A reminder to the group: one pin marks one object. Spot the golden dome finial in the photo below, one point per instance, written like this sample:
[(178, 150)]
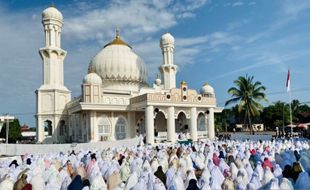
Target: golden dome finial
[(183, 82), (117, 40)]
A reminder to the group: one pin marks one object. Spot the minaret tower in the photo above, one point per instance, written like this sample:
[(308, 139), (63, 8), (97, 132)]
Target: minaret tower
[(168, 70), (52, 96)]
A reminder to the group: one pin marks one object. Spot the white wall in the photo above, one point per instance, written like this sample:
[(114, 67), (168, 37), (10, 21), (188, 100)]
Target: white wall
[(20, 149)]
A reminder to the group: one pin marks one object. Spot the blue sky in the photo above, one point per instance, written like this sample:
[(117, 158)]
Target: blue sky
[(216, 41)]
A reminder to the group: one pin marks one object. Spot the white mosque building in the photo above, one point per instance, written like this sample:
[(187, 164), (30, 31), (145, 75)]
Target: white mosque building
[(116, 102)]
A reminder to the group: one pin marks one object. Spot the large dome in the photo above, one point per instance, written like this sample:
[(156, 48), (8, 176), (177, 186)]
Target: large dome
[(119, 66)]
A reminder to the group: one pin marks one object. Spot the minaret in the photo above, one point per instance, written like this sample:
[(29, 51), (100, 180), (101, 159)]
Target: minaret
[(52, 96), (168, 69)]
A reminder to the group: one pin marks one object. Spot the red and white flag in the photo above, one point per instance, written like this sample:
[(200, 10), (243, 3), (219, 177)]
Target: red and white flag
[(288, 81)]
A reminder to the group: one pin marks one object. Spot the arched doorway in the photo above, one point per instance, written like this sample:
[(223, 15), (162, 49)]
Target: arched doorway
[(104, 128), (201, 126), (181, 124), (141, 127), (48, 127), (201, 122), (160, 122), (120, 128)]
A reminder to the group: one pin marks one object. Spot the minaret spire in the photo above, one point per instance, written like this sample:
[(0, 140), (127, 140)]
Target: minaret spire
[(117, 33)]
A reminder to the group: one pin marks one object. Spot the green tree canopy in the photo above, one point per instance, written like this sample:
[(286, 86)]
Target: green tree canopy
[(14, 131), (247, 94)]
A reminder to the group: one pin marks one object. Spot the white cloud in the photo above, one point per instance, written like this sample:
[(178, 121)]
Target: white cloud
[(135, 18), (294, 8), (237, 4)]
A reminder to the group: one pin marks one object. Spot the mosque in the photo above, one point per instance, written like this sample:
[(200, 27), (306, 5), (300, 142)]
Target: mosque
[(116, 102)]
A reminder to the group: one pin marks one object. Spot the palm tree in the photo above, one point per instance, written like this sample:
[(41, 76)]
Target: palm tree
[(248, 94)]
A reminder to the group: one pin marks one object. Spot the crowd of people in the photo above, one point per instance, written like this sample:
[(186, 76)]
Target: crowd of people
[(203, 165)]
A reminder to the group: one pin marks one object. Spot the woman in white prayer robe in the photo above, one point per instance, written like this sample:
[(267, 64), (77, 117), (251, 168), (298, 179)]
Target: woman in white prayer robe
[(204, 178), (53, 183), (132, 181), (223, 165), (125, 171), (277, 171), (98, 183), (268, 175), (259, 169), (249, 170), (255, 180), (214, 184), (37, 181), (154, 164), (302, 181), (7, 183), (178, 181), (273, 184), (141, 185), (233, 170), (286, 184), (228, 184), (170, 174), (217, 175)]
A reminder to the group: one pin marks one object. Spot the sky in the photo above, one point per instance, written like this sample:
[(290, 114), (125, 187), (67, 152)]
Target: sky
[(216, 41)]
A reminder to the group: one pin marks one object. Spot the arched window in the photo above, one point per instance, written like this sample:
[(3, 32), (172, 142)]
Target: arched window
[(104, 127), (120, 128), (48, 127), (201, 123), (62, 128)]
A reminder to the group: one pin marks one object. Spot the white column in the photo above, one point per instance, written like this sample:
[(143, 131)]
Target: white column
[(149, 118), (211, 123), (193, 124), (40, 130), (93, 126), (171, 125), (112, 127)]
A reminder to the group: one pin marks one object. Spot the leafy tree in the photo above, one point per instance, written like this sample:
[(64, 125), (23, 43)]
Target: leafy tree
[(275, 114), (248, 94), (304, 108), (14, 131)]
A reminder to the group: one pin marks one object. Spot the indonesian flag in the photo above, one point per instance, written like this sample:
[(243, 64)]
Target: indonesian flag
[(288, 81)]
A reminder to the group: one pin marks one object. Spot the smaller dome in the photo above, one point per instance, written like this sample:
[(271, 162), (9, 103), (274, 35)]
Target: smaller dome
[(207, 89), (167, 38), (158, 81), (52, 13), (92, 78)]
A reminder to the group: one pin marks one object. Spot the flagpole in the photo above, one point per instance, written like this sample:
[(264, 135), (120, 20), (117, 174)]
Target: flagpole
[(288, 88), (290, 102)]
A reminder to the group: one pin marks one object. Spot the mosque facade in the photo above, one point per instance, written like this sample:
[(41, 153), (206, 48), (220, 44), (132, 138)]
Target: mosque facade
[(116, 101)]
